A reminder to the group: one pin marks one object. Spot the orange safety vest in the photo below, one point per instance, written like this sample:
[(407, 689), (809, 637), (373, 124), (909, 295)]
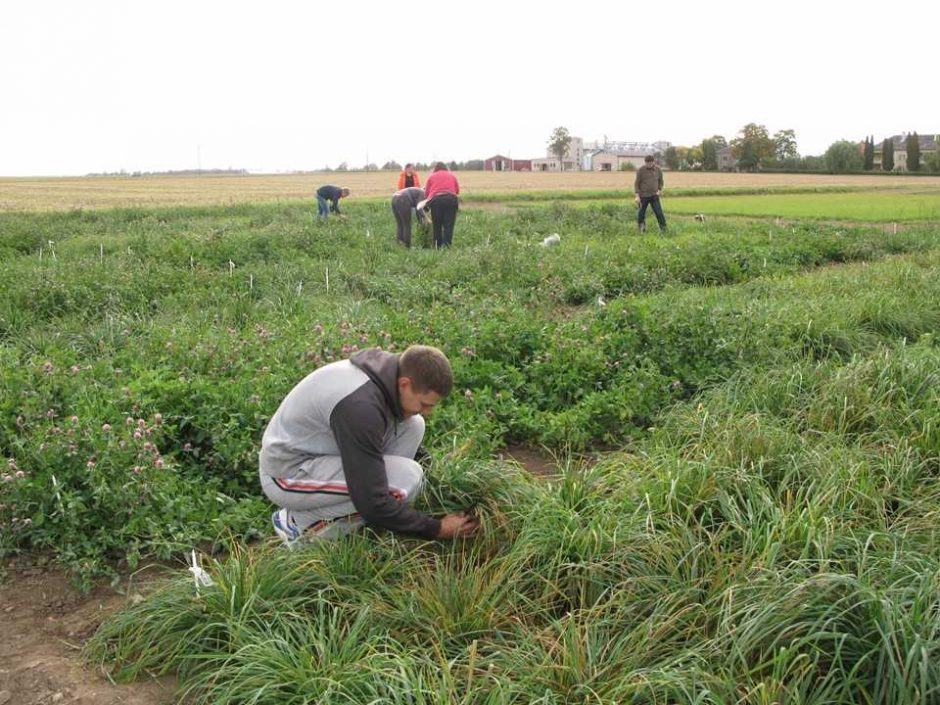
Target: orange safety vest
[(401, 179)]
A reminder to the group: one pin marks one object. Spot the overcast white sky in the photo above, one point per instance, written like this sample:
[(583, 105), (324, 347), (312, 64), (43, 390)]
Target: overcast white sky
[(102, 85)]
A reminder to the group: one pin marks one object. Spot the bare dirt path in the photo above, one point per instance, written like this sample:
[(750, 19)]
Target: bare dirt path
[(43, 623)]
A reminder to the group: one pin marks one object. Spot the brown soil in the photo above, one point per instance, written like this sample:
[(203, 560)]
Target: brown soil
[(537, 463), (43, 622), (543, 464)]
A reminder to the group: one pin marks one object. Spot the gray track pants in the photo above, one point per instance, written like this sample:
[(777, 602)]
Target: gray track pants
[(317, 490)]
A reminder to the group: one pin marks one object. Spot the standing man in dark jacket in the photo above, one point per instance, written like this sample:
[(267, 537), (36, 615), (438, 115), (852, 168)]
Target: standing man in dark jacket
[(331, 194), (340, 449), (403, 203), (648, 187)]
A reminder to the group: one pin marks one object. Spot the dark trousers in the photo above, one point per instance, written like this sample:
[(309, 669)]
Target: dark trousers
[(657, 209), (444, 216), (401, 207)]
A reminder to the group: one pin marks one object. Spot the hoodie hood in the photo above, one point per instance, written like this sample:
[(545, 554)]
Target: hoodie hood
[(382, 368)]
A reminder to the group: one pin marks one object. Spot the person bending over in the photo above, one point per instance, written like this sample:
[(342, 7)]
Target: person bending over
[(442, 190), (328, 200)]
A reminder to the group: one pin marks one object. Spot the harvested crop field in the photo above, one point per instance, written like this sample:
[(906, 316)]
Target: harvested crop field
[(19, 194)]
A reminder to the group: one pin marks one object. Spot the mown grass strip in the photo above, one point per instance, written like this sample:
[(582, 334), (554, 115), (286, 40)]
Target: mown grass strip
[(864, 207)]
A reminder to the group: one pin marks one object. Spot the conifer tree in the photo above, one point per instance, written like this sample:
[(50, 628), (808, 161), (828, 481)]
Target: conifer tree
[(887, 155), (869, 153), (913, 152)]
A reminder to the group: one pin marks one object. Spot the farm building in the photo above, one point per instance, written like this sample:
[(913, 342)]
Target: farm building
[(929, 144), (602, 160), (726, 160), (603, 155), (607, 160), (614, 156), (572, 161), (501, 163)]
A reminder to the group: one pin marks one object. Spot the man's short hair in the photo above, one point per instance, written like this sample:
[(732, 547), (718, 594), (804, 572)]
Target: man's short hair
[(649, 158), (344, 191), (427, 368)]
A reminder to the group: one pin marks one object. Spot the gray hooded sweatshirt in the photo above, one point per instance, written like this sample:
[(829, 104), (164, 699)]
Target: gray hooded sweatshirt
[(346, 408)]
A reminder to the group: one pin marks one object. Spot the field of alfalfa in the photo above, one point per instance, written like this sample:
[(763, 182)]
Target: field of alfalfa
[(743, 417)]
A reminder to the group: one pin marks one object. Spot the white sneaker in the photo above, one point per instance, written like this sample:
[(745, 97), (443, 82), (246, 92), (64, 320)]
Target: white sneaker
[(285, 527)]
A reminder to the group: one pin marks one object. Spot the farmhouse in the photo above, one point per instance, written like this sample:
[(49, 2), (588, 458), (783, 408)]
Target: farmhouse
[(500, 163), (726, 160), (929, 144)]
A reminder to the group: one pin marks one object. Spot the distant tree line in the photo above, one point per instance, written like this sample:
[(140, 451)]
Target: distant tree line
[(844, 156), (469, 165), (754, 149), (177, 172)]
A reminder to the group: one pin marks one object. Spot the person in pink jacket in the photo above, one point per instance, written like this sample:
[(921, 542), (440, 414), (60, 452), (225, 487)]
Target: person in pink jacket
[(442, 190)]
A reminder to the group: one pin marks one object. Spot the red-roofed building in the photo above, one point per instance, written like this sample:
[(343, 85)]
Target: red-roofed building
[(501, 163)]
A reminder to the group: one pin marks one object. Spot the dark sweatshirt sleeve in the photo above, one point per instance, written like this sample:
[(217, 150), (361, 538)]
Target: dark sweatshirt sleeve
[(331, 194), (359, 427)]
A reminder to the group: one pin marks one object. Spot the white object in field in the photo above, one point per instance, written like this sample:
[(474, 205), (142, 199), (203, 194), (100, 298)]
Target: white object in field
[(552, 239), (600, 301), (700, 217), (200, 576), (422, 205)]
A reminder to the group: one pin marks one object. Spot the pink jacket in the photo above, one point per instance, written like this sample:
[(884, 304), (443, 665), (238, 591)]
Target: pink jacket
[(441, 182)]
